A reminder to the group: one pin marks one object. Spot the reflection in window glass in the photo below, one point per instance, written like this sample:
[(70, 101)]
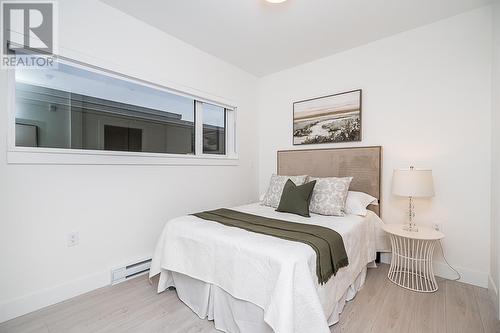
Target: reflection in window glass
[(214, 129), (73, 108)]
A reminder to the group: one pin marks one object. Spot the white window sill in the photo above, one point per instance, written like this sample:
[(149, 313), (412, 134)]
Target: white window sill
[(21, 155)]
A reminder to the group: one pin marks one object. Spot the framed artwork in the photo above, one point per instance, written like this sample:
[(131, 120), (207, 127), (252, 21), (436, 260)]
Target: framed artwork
[(328, 119)]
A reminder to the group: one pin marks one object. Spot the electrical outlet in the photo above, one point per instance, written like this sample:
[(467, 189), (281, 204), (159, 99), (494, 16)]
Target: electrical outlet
[(73, 239), (437, 226)]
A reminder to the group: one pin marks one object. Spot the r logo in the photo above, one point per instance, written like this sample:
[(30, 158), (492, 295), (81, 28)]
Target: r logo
[(27, 26)]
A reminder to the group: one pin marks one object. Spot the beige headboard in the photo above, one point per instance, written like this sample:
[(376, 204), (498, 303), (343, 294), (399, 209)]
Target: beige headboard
[(364, 164)]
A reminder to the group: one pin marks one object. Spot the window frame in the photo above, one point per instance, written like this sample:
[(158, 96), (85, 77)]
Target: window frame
[(38, 155)]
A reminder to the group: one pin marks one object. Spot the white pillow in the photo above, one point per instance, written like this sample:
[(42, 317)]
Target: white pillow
[(357, 202), (275, 189)]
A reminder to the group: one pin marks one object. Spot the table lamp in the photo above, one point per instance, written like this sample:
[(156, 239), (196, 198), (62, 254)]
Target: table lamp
[(412, 183)]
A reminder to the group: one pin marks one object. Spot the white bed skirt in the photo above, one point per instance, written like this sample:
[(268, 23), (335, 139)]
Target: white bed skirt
[(233, 315)]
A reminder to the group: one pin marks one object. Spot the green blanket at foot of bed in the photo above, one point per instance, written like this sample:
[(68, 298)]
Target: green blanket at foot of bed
[(327, 243)]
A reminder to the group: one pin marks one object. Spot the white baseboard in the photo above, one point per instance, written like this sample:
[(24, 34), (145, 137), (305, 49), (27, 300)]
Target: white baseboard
[(493, 292), (28, 303), (25, 304), (441, 269), (469, 276)]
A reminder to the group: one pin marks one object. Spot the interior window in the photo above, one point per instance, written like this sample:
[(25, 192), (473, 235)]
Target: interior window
[(73, 108)]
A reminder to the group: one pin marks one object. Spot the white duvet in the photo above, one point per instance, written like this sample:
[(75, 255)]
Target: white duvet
[(275, 274)]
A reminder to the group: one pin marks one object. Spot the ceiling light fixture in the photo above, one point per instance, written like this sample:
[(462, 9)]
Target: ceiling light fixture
[(275, 1)]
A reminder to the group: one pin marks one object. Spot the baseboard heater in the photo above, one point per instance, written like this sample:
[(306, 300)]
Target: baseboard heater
[(130, 271)]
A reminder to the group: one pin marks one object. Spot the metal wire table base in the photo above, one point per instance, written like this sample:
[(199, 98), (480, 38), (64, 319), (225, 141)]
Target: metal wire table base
[(411, 264)]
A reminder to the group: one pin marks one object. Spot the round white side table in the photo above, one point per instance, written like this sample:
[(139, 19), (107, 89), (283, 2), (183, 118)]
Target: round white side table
[(411, 263)]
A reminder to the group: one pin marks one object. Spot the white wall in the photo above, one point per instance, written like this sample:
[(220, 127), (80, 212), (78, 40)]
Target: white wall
[(427, 101), (495, 165), (118, 210)]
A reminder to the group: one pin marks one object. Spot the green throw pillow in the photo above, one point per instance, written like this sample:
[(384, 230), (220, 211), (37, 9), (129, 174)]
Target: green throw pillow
[(295, 199)]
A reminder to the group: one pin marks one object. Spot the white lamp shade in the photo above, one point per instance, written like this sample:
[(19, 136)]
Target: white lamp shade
[(413, 183)]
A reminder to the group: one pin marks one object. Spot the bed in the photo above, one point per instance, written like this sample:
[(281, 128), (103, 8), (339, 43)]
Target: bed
[(250, 282)]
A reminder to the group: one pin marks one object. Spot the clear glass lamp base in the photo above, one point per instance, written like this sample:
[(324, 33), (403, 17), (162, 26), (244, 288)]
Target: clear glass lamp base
[(410, 227)]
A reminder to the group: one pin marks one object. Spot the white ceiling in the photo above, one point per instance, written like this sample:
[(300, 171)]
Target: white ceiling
[(264, 38)]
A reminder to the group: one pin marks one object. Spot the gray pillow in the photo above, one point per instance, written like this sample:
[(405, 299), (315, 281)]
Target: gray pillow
[(275, 189), (329, 195), (295, 199)]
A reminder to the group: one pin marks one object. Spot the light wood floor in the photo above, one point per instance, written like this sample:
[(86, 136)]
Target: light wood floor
[(380, 306)]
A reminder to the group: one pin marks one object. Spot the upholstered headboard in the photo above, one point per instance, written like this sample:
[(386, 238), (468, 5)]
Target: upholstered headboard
[(364, 164)]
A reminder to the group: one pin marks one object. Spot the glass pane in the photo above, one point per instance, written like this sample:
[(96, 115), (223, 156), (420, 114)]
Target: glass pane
[(70, 107), (214, 129)]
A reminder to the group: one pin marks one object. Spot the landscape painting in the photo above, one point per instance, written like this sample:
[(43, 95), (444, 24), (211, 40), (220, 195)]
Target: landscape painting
[(329, 119)]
